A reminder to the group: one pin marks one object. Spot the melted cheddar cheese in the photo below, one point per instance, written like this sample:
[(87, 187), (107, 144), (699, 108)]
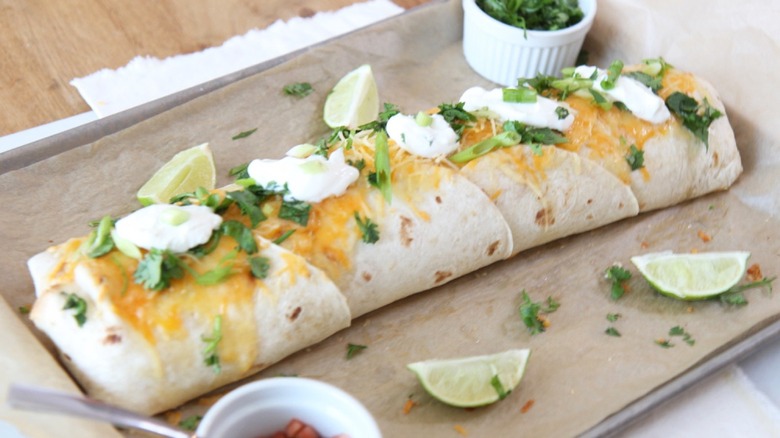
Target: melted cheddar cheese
[(171, 313)]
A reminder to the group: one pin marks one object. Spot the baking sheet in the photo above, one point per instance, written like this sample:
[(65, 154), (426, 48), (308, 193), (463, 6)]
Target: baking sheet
[(577, 376)]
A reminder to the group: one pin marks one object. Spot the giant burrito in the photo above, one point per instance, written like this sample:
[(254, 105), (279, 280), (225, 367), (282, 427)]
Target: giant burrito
[(175, 299)]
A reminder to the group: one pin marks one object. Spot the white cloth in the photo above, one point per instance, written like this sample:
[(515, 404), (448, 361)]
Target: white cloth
[(146, 78)]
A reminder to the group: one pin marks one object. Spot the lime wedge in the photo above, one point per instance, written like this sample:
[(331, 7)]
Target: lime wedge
[(185, 172), (472, 381), (692, 276), (354, 100)]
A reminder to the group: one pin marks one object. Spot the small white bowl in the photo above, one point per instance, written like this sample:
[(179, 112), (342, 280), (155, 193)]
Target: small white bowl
[(260, 408), (501, 53)]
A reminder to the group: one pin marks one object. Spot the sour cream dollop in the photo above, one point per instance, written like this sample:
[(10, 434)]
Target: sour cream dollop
[(169, 227), (436, 139), (636, 96), (309, 179), (541, 114)]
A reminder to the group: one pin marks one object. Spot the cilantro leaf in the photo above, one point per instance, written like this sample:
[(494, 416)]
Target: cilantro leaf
[(296, 211), (379, 124), (158, 267), (612, 331), (79, 305), (612, 317), (354, 349), (259, 266), (241, 234), (635, 157), (368, 229), (618, 276), (534, 15), (240, 171), (191, 422), (457, 117), (652, 82), (530, 312), (248, 203), (298, 89), (243, 134), (697, 117)]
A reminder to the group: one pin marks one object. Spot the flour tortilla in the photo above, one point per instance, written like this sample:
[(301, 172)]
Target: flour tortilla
[(115, 363), (464, 231), (681, 167), (567, 196)]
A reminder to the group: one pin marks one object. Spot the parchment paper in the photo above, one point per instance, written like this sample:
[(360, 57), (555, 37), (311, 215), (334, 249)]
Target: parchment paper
[(577, 375)]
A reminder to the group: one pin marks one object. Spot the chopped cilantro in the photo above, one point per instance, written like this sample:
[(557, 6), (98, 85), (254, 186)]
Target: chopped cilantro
[(665, 343), (379, 124), (259, 266), (367, 228), (243, 134), (612, 317), (240, 171), (534, 15), (354, 349), (156, 270), (78, 305), (695, 116), (561, 112), (652, 82), (298, 89), (530, 312), (612, 331), (191, 422), (457, 117), (679, 331), (248, 203), (296, 211), (241, 234), (635, 157), (618, 276)]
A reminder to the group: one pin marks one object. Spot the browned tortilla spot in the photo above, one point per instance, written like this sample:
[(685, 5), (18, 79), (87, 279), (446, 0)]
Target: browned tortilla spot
[(620, 205), (589, 217), (438, 199), (294, 315), (590, 201), (493, 247), (367, 276), (544, 218), (406, 231), (715, 159), (112, 338), (442, 275)]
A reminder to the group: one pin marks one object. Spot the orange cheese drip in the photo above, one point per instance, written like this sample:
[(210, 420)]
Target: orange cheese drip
[(165, 314)]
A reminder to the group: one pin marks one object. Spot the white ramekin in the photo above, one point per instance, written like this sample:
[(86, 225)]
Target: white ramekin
[(265, 406), (501, 53)]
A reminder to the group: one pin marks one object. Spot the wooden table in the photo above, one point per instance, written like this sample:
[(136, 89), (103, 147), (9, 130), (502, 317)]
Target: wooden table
[(45, 44)]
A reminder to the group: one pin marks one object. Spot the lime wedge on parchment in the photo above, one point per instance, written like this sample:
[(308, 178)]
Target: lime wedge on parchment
[(692, 276), (185, 172), (472, 381), (354, 101)]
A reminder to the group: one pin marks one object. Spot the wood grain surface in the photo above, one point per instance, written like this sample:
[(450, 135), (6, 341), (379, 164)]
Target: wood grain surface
[(44, 44)]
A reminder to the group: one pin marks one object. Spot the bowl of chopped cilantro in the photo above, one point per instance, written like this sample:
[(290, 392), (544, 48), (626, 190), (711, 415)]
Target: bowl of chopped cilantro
[(504, 40)]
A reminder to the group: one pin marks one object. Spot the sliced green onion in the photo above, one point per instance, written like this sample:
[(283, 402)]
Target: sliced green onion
[(246, 182), (100, 242), (382, 166), (174, 216), (313, 167), (613, 73), (423, 119), (505, 139), (125, 246), (519, 95), (302, 150), (600, 99)]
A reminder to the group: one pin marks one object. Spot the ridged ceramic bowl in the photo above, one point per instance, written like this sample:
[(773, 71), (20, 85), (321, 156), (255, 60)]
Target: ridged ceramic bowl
[(260, 408), (502, 53)]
